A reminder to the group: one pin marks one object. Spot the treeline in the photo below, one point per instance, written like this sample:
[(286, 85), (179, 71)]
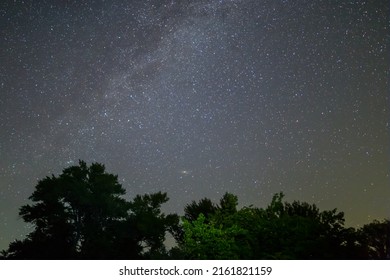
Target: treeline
[(81, 214)]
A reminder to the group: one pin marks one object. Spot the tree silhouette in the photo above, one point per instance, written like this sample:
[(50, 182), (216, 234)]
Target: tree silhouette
[(205, 206), (228, 204), (300, 231), (375, 239), (73, 215), (82, 214), (150, 224)]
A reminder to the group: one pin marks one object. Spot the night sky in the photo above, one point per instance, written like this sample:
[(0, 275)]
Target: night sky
[(196, 98)]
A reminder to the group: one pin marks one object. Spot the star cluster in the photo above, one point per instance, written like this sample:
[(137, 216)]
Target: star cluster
[(196, 98)]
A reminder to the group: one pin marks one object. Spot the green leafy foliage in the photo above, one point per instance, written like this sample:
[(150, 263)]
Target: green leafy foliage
[(208, 241), (282, 230)]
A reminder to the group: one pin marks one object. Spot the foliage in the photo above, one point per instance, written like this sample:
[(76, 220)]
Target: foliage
[(194, 209), (280, 231), (82, 214), (374, 239), (151, 224), (72, 214), (208, 241)]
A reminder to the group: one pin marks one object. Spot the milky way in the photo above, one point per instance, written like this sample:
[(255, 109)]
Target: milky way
[(196, 98)]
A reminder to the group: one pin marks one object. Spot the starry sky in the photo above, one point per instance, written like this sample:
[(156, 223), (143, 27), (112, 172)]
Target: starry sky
[(199, 97)]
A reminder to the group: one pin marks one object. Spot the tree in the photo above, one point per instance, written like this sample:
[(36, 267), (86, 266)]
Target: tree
[(280, 231), (150, 224), (215, 236), (228, 204), (81, 214), (299, 230), (209, 241), (205, 206), (73, 215), (375, 239)]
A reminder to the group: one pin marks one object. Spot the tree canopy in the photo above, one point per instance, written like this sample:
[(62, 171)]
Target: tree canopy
[(83, 214)]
